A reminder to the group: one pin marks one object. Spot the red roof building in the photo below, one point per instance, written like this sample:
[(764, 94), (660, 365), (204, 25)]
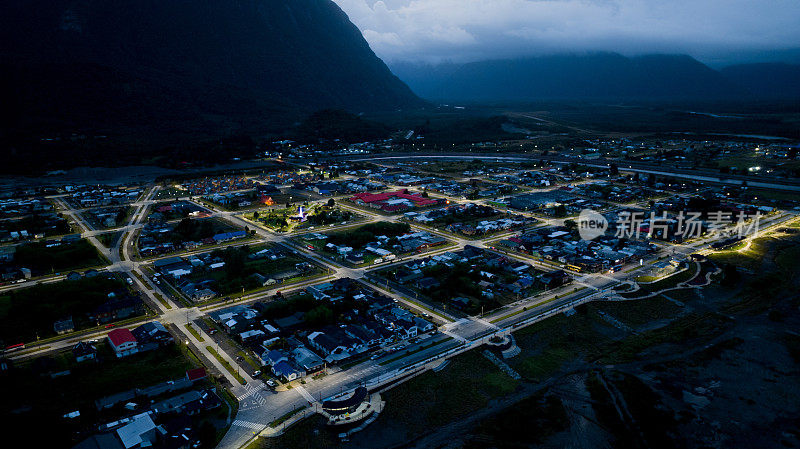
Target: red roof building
[(122, 342), (388, 200), (196, 374)]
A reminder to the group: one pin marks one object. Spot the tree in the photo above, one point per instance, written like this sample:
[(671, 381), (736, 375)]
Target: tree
[(331, 202), (207, 435), (256, 215), (730, 275), (319, 316)]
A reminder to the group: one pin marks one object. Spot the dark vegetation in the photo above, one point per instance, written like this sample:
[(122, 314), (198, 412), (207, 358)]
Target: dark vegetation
[(329, 215), (66, 256), (464, 130), (31, 397), (459, 280), (316, 315), (173, 78), (365, 234), (36, 223), (459, 215), (467, 384), (28, 313), (237, 274), (642, 421), (193, 230), (529, 422), (332, 124)]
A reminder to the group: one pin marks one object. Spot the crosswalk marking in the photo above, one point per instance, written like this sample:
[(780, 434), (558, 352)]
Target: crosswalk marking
[(244, 396), (248, 425), (254, 392), (303, 392)]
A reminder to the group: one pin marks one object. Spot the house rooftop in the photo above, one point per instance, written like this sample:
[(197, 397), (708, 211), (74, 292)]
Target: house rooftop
[(132, 433), (120, 336)]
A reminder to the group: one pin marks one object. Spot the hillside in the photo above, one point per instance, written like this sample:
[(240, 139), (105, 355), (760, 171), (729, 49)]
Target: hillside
[(596, 76), (766, 80), (180, 66)]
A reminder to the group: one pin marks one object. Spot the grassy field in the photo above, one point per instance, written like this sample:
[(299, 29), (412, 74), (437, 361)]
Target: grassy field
[(750, 259), (655, 426), (170, 193), (237, 276), (549, 344), (764, 253), (110, 238), (43, 260), (668, 282), (638, 312), (432, 399), (525, 424), (29, 313), (699, 327)]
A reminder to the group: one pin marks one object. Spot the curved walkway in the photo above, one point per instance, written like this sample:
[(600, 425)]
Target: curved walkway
[(679, 286)]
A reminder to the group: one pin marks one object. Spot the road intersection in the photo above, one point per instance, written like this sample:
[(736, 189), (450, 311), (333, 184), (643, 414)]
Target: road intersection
[(259, 406)]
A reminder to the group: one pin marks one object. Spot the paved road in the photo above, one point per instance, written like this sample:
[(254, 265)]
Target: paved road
[(704, 175), (258, 406)]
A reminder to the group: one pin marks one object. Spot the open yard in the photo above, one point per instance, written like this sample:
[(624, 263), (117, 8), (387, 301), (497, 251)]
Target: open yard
[(29, 313), (287, 219), (243, 270), (41, 259)]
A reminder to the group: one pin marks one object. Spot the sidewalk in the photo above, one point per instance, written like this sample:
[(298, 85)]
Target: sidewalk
[(200, 347)]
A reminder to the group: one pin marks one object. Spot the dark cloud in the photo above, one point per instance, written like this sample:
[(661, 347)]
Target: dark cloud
[(459, 30)]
